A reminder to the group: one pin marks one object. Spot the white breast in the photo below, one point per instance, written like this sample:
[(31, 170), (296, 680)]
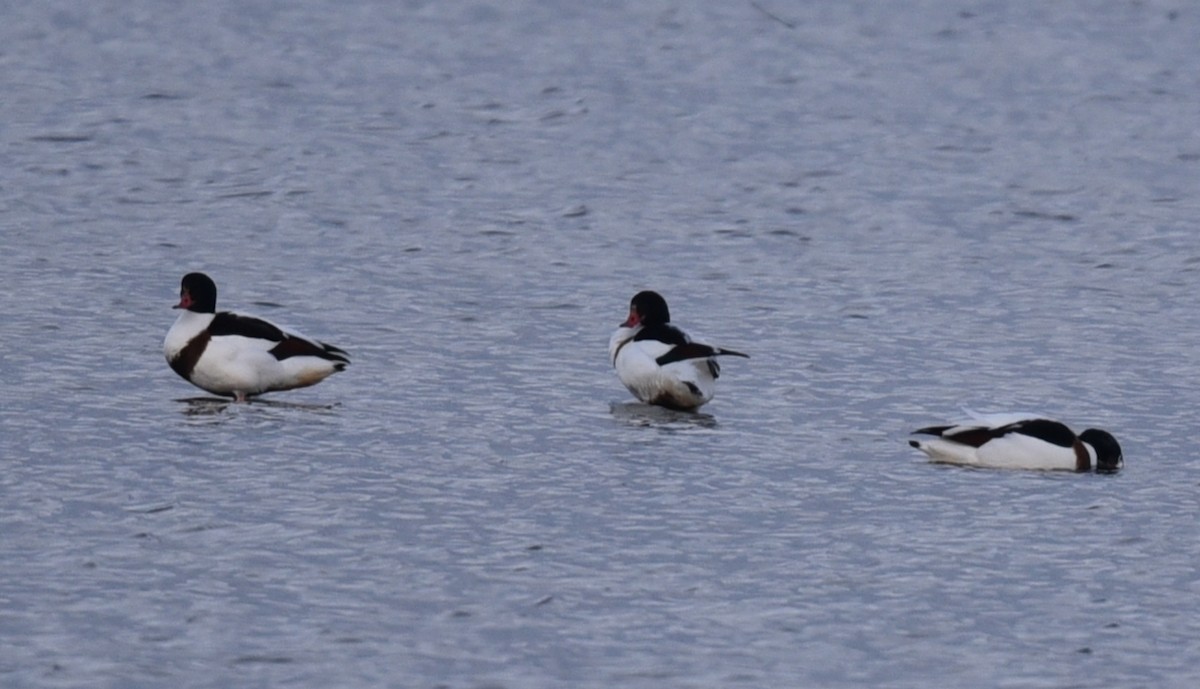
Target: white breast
[(186, 327)]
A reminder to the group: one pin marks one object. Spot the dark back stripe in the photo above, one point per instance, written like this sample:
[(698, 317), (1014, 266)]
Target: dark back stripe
[(295, 346), (228, 323), (687, 350), (1044, 429), (975, 437), (662, 332)]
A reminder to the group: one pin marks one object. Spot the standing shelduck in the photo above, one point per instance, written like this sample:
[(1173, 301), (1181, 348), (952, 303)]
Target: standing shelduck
[(240, 356), (658, 362), (1020, 441)]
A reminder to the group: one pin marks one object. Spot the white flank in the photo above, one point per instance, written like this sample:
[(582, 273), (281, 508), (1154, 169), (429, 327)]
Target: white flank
[(1010, 451), (238, 365), (637, 367)]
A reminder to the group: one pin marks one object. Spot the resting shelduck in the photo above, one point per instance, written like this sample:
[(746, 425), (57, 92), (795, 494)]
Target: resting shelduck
[(1020, 441), (658, 362), (237, 355)]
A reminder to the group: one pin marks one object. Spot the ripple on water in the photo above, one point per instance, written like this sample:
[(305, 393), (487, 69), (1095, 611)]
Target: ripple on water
[(858, 197)]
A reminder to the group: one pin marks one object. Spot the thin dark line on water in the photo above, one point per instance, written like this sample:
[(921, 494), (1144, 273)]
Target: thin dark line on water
[(772, 15)]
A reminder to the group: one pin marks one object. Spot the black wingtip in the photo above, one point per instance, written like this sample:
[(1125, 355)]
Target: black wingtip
[(730, 352), (336, 354)]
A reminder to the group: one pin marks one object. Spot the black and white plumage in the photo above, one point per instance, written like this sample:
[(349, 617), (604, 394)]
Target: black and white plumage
[(1020, 441), (240, 356), (658, 362)]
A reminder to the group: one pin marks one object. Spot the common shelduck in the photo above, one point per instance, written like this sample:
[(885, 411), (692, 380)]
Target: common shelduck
[(1020, 441), (237, 355), (658, 362)]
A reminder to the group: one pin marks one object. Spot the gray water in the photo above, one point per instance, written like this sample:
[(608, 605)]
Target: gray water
[(895, 208)]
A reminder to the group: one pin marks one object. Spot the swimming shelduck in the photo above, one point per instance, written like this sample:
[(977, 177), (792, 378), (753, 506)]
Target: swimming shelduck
[(1020, 441), (237, 355), (658, 362)]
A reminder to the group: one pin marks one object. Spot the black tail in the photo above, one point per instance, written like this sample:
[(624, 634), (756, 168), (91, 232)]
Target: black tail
[(729, 352), (694, 350), (336, 354)]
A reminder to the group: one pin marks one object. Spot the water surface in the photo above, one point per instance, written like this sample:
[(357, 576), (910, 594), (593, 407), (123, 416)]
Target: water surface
[(895, 210)]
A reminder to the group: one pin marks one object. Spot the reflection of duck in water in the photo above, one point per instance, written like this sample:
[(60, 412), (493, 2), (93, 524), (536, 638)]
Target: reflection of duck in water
[(658, 362), (647, 415), (240, 356), (1020, 441)]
